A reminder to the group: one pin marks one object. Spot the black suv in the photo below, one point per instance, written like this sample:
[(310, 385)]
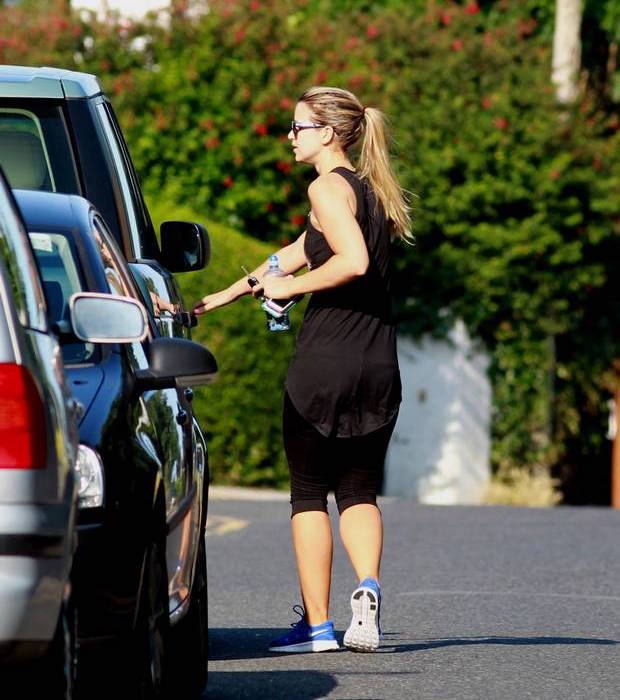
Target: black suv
[(58, 133)]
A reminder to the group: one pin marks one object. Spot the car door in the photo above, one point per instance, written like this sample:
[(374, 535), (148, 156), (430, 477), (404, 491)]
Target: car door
[(170, 413)]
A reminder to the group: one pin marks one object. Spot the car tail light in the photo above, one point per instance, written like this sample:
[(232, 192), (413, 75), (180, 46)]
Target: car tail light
[(22, 421)]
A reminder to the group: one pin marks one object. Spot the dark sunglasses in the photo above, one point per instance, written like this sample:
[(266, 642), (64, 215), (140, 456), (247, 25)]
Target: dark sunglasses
[(296, 127)]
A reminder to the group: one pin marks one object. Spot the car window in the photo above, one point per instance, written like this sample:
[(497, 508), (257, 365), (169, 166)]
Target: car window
[(144, 222), (118, 279), (21, 267), (62, 277), (35, 151), (123, 175)]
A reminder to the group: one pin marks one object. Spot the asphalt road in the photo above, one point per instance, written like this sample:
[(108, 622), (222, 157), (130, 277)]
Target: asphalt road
[(479, 602)]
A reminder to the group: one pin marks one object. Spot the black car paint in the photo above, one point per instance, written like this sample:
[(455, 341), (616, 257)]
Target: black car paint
[(142, 440)]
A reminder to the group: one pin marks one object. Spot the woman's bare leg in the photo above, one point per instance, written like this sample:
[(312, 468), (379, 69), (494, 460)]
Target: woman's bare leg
[(313, 544), (361, 530)]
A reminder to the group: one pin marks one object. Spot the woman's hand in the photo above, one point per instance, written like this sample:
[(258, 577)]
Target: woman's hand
[(215, 300), (275, 287)]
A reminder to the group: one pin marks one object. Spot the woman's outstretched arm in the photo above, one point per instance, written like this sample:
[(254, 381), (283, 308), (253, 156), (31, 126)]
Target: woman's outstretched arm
[(290, 258)]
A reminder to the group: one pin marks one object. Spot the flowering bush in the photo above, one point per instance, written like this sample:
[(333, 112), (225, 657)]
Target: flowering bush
[(516, 213)]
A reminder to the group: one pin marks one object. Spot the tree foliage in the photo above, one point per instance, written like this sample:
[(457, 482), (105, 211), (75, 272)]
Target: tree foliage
[(516, 211)]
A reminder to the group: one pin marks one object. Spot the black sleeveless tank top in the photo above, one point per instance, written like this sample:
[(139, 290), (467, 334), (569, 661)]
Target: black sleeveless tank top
[(344, 377)]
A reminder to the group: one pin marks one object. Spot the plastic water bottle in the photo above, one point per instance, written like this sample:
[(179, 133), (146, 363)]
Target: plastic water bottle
[(284, 322)]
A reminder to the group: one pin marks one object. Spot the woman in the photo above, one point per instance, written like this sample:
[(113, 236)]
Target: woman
[(343, 385)]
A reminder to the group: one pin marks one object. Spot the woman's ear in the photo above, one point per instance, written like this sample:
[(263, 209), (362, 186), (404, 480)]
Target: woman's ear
[(327, 135)]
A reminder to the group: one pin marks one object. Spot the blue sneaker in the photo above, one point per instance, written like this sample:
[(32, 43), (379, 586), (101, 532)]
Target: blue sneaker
[(304, 637), (364, 632)]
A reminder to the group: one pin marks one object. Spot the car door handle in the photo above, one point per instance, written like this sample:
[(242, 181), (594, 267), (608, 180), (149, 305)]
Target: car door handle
[(186, 318), (76, 407), (182, 416)]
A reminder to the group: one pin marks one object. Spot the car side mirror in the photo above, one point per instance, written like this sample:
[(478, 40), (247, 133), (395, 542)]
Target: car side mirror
[(107, 318), (176, 362), (185, 246)]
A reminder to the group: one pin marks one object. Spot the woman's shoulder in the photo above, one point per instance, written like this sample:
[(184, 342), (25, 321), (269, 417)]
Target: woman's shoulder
[(328, 185)]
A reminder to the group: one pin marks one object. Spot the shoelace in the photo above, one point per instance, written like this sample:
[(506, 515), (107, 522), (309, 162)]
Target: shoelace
[(299, 610)]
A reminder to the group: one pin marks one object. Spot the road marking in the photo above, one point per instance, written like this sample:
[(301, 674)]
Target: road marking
[(526, 594), (224, 524)]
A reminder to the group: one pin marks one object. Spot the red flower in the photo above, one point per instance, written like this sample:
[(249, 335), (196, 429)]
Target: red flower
[(356, 81), (212, 142), (486, 102), (254, 5), (488, 38), (372, 31), (526, 28), (471, 9), (501, 122), (351, 43), (260, 129), (554, 174), (445, 18), (284, 166), (239, 35), (285, 103), (285, 241), (320, 77), (298, 220), (269, 206), (457, 45), (206, 124), (228, 181), (160, 120)]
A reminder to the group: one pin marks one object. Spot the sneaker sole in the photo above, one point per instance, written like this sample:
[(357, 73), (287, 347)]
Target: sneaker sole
[(302, 647), (363, 632)]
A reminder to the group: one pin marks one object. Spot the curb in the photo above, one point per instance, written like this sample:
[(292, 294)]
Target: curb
[(240, 493)]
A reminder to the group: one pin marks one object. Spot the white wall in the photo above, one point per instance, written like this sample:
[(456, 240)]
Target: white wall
[(440, 449), (128, 8)]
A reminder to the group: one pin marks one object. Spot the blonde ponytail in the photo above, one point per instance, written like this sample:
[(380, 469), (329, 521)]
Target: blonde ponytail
[(374, 165), (352, 122)]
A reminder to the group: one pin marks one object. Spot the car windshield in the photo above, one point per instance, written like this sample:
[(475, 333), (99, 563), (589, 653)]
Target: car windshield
[(60, 271), (35, 152)]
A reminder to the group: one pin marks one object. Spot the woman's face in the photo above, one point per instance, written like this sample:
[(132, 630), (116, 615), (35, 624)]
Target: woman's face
[(309, 142)]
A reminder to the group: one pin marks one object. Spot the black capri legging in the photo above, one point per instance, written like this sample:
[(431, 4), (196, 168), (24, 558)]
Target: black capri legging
[(352, 467)]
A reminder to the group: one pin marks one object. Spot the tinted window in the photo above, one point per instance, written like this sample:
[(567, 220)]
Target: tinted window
[(21, 267), (124, 177), (35, 151), (118, 280), (62, 277)]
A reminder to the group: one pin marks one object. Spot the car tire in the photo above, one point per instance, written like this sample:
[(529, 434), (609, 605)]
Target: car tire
[(150, 638), (190, 635)]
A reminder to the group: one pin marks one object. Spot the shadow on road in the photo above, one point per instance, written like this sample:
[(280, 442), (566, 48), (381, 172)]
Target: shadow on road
[(244, 643), (396, 648), (301, 685), (253, 643)]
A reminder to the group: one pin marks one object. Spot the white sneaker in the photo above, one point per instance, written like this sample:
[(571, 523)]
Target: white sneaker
[(363, 632)]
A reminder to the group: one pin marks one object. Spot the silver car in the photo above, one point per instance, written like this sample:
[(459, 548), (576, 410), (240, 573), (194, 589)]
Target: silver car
[(38, 485)]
